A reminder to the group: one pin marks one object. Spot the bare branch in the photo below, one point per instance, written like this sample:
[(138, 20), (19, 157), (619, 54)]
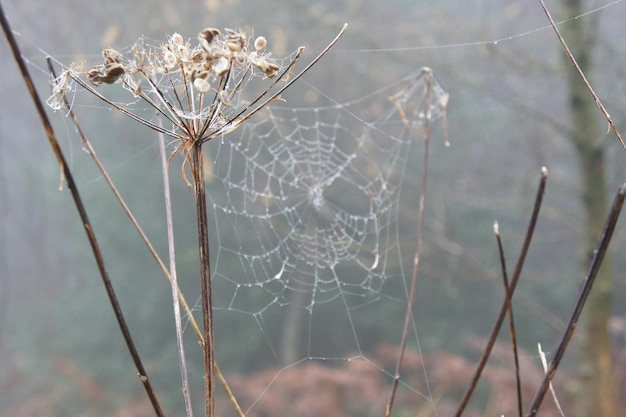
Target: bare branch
[(598, 256), (582, 75)]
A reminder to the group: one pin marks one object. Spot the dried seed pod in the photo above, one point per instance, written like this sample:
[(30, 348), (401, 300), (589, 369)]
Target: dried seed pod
[(240, 57), (233, 46), (260, 43), (224, 98), (198, 56), (95, 75), (200, 74), (111, 55), (270, 70), (206, 36), (221, 66), (169, 59), (112, 73), (235, 40), (267, 68), (177, 39), (201, 84)]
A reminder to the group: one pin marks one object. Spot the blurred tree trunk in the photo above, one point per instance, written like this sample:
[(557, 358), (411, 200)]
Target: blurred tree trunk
[(291, 329), (596, 391)]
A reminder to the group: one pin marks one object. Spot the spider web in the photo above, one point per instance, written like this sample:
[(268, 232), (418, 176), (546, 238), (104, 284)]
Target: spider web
[(306, 204)]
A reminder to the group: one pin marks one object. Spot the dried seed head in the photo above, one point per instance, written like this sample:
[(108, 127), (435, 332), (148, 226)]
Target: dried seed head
[(260, 43)]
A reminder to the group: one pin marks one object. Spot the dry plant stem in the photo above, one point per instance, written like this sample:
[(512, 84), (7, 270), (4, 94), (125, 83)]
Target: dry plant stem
[(82, 213), (596, 262), (192, 321), (174, 281), (503, 310), (205, 279), (509, 306), (582, 75), (418, 247)]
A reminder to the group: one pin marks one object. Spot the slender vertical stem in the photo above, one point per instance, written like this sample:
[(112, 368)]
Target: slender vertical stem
[(205, 279), (418, 247), (509, 306), (174, 281)]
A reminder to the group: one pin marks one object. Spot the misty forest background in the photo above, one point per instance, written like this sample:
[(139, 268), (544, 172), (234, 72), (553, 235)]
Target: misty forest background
[(510, 113)]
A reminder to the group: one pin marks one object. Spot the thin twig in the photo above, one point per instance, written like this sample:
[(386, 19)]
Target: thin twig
[(544, 364), (516, 274), (174, 281), (420, 232), (83, 215), (596, 262), (509, 306), (582, 75)]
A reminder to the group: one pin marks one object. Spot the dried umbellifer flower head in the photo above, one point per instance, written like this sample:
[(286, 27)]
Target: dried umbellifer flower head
[(181, 74)]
